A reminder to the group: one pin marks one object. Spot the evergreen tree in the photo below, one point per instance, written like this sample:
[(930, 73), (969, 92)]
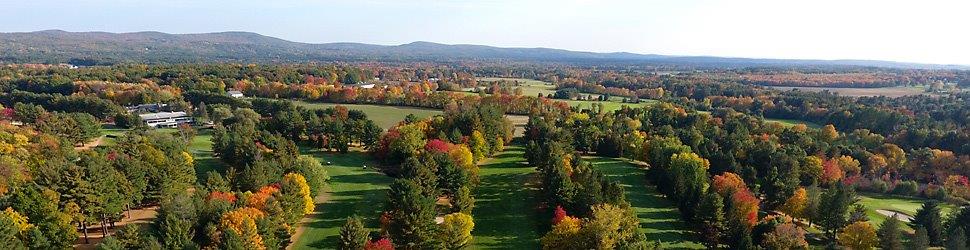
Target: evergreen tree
[(353, 235), (412, 224), (920, 240), (710, 215), (889, 235), (462, 202), (928, 217), (956, 239), (417, 169), (834, 208)]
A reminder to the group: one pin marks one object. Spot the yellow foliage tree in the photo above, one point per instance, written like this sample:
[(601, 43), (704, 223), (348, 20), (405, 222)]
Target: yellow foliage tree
[(849, 165), (563, 234), (456, 230), (304, 190), (858, 236), (235, 219), (829, 133), (795, 205)]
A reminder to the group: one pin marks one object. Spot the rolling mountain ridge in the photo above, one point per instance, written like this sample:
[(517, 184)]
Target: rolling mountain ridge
[(88, 48)]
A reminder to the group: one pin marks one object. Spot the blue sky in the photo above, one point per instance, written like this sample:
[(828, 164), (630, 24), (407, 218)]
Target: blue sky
[(927, 31)]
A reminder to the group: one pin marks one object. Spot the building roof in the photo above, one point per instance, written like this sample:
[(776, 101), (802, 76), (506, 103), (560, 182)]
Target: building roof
[(162, 115), (234, 92)]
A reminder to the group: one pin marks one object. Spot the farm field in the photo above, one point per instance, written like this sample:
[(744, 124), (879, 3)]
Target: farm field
[(659, 218), (901, 204), (504, 202), (790, 122), (858, 92), (384, 115), (352, 190)]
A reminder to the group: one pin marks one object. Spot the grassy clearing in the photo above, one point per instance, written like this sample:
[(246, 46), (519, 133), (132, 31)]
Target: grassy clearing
[(385, 116), (901, 204), (790, 122), (504, 214), (351, 191), (659, 218), (529, 87)]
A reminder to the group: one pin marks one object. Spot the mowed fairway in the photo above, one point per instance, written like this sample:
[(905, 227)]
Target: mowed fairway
[(504, 202), (901, 204), (659, 218), (352, 190), (384, 115)]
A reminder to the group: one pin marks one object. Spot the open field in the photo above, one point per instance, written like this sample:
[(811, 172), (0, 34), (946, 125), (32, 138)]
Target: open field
[(385, 116), (857, 92), (790, 122), (529, 87), (659, 218), (352, 190), (504, 202), (900, 204)]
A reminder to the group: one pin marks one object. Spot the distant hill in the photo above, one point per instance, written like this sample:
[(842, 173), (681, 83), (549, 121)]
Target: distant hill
[(87, 48)]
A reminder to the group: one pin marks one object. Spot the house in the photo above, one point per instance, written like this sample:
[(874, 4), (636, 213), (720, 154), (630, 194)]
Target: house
[(165, 119), (235, 94), (363, 85)]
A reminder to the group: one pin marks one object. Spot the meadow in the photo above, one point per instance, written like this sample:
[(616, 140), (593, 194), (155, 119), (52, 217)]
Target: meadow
[(659, 218), (384, 115)]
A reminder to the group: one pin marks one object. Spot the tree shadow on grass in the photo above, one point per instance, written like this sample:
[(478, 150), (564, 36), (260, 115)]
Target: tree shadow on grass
[(341, 205), (504, 212)]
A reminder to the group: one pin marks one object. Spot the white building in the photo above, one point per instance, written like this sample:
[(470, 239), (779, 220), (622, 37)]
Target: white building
[(363, 85), (235, 94), (165, 119)]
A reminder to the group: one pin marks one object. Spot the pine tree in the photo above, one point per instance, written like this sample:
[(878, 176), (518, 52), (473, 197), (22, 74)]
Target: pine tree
[(920, 240), (353, 235), (889, 235), (956, 239), (462, 202), (928, 217), (710, 215), (412, 214)]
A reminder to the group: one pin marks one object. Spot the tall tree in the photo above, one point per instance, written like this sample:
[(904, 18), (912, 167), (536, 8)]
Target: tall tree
[(710, 215), (353, 235), (889, 234), (411, 215), (928, 217)]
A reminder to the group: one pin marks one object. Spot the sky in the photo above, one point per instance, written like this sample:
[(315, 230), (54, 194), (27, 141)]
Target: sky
[(923, 31)]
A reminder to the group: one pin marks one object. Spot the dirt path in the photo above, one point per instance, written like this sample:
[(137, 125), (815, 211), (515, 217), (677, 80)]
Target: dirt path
[(91, 144), (137, 216), (899, 215), (301, 227)]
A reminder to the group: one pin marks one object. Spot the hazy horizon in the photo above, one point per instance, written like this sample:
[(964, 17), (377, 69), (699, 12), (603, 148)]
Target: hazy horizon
[(924, 32)]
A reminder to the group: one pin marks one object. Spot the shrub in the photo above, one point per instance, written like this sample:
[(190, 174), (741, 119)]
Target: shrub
[(906, 188)]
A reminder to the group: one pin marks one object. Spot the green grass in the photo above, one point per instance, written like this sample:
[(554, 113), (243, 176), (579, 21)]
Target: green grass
[(609, 106), (790, 122), (504, 214), (659, 218), (529, 87), (906, 205), (351, 191), (200, 148), (532, 87), (385, 116)]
